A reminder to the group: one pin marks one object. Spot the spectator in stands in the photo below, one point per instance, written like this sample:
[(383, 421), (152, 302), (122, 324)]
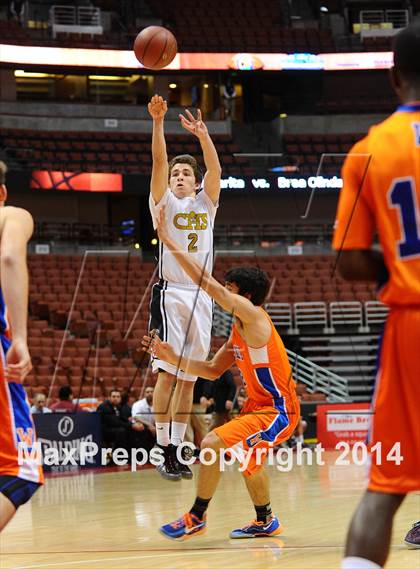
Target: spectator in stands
[(142, 414), (65, 403), (116, 427), (224, 390), (197, 427), (39, 404), (142, 409)]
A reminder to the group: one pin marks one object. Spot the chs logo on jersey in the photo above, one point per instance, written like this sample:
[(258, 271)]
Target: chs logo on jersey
[(191, 221)]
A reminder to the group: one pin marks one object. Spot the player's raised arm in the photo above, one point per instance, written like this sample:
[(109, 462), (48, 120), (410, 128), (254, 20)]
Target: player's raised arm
[(210, 369), (16, 230), (159, 181), (211, 159), (235, 304)]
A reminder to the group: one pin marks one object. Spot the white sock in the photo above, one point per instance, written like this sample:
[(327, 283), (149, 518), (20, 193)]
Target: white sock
[(162, 434), (358, 563), (177, 432)]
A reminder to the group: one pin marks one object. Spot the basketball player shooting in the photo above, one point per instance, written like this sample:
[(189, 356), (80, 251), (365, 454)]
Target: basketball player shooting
[(271, 411), (181, 311), (18, 480)]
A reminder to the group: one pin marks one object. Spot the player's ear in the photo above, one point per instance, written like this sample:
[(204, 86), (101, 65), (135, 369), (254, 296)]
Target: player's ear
[(395, 80), (3, 193)]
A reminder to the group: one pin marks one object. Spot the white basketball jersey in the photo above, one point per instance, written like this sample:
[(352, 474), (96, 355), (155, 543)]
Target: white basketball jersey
[(190, 223)]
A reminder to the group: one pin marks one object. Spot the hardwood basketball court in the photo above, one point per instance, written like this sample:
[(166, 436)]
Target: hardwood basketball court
[(111, 520)]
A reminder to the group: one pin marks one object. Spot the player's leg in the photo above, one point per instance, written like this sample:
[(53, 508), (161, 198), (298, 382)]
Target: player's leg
[(392, 430), (369, 535), (194, 521), (7, 511), (14, 492), (162, 412), (195, 312), (181, 413)]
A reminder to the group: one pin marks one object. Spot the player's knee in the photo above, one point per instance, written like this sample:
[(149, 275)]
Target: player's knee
[(166, 377), (211, 440)]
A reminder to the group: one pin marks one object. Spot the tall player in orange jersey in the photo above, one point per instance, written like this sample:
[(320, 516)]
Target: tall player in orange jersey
[(18, 479), (381, 194), (271, 412)]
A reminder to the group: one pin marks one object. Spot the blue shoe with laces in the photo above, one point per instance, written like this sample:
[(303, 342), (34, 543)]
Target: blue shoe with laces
[(185, 527), (258, 529)]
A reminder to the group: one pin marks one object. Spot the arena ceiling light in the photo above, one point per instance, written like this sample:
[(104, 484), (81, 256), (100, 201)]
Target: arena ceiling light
[(173, 85)]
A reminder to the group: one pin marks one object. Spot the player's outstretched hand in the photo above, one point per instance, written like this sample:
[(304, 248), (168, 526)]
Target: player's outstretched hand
[(18, 362), (195, 126), (160, 350), (161, 225), (157, 107)]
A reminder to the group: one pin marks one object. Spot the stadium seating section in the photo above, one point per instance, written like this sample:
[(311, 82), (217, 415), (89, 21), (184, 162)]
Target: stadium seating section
[(106, 152), (307, 149), (105, 294)]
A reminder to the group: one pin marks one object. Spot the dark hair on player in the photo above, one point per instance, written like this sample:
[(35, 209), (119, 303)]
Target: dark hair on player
[(407, 53), (250, 280), (191, 161), (3, 172), (65, 392)]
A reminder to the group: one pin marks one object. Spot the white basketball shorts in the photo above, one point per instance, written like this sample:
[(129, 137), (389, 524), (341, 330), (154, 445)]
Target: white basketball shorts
[(183, 316)]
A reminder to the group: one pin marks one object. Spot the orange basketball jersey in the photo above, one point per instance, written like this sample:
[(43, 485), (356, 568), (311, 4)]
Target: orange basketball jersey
[(266, 371), (381, 191)]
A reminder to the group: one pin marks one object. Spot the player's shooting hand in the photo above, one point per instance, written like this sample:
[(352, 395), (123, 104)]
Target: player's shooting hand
[(194, 125), (161, 225), (161, 350), (157, 107), (18, 362)]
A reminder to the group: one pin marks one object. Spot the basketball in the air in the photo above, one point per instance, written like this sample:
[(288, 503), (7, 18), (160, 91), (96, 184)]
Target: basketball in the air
[(155, 47)]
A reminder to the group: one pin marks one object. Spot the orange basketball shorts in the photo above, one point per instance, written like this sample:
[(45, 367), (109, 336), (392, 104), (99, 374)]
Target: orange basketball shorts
[(395, 422), (259, 427)]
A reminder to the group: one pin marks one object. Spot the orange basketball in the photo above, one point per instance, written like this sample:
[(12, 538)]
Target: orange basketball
[(155, 47)]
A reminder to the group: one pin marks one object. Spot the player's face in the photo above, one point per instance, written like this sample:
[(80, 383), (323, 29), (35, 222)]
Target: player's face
[(115, 398), (182, 181), (40, 402)]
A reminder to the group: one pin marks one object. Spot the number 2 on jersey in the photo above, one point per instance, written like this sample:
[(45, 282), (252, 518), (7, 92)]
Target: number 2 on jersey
[(192, 247), (403, 195)]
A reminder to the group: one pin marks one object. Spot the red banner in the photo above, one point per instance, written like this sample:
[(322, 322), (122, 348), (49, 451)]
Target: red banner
[(347, 422), (73, 181)]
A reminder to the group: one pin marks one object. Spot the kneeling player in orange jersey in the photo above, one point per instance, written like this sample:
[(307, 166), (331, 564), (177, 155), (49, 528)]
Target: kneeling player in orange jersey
[(271, 411)]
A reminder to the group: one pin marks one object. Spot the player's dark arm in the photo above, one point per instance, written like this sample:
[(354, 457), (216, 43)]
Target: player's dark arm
[(362, 265), (159, 180), (211, 159), (211, 369)]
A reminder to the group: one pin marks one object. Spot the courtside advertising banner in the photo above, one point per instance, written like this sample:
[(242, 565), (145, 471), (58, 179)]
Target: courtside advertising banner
[(342, 422), (62, 436)]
